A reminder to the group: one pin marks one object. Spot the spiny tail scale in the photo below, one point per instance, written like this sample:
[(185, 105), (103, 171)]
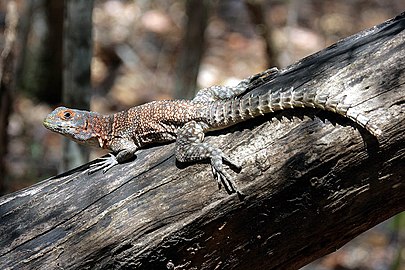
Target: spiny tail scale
[(222, 114)]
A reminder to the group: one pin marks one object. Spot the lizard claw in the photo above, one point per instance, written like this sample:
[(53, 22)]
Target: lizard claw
[(232, 163), (222, 177), (105, 164)]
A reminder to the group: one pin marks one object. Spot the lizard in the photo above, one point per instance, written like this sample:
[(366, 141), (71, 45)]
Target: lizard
[(187, 121)]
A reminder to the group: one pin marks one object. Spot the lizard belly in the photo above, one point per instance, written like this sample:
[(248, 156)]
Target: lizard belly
[(157, 137), (157, 132)]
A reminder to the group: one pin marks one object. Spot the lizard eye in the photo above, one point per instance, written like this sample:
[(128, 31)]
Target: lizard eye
[(66, 115)]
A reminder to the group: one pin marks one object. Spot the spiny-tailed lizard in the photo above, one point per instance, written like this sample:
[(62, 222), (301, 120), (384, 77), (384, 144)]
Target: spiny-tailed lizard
[(186, 122)]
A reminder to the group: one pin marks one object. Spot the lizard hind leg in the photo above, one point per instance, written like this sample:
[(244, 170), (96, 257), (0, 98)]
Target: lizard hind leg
[(255, 80), (190, 147), (217, 92)]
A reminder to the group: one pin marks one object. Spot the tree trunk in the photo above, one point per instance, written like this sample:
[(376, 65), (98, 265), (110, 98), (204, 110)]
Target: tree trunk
[(313, 182), (77, 52), (193, 44), (8, 59)]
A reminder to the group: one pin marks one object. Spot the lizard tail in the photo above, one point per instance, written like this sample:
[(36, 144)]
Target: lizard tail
[(237, 110)]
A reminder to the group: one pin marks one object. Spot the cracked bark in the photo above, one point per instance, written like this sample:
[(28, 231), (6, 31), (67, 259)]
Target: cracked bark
[(313, 181)]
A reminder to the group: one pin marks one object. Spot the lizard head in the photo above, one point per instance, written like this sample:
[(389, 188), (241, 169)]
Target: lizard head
[(74, 124)]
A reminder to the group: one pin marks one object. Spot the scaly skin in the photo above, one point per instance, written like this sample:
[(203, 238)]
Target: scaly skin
[(186, 122)]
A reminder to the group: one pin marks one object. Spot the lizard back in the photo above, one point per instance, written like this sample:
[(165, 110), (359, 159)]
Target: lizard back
[(156, 121)]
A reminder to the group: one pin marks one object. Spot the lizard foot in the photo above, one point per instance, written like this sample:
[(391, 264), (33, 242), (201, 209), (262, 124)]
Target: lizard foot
[(104, 164)]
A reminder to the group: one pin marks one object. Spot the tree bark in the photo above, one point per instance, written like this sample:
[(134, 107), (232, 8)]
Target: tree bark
[(313, 182)]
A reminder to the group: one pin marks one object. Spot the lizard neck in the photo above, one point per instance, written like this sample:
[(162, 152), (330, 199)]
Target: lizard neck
[(101, 128), (92, 129)]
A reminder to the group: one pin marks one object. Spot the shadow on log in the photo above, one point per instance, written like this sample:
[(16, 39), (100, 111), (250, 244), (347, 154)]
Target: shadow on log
[(313, 182)]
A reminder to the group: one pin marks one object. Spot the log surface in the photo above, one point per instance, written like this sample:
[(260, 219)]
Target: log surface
[(313, 182)]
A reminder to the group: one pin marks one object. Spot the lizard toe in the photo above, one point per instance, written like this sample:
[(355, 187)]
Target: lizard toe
[(104, 164)]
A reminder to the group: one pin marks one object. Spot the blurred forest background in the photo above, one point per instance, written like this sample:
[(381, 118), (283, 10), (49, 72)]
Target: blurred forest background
[(149, 50)]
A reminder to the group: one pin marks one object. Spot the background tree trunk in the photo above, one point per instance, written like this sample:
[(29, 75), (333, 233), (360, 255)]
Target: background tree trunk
[(313, 182), (7, 84), (192, 50), (258, 14), (77, 53)]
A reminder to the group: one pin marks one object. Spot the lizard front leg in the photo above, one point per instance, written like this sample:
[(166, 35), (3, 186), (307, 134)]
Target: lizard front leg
[(190, 147), (125, 150)]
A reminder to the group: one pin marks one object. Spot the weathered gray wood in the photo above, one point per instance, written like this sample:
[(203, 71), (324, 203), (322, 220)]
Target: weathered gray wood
[(313, 182)]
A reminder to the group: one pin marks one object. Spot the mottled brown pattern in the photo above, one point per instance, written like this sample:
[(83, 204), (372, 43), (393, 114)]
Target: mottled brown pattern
[(156, 121)]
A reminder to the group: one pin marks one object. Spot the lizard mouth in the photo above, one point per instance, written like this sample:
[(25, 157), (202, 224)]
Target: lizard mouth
[(48, 124), (51, 125)]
